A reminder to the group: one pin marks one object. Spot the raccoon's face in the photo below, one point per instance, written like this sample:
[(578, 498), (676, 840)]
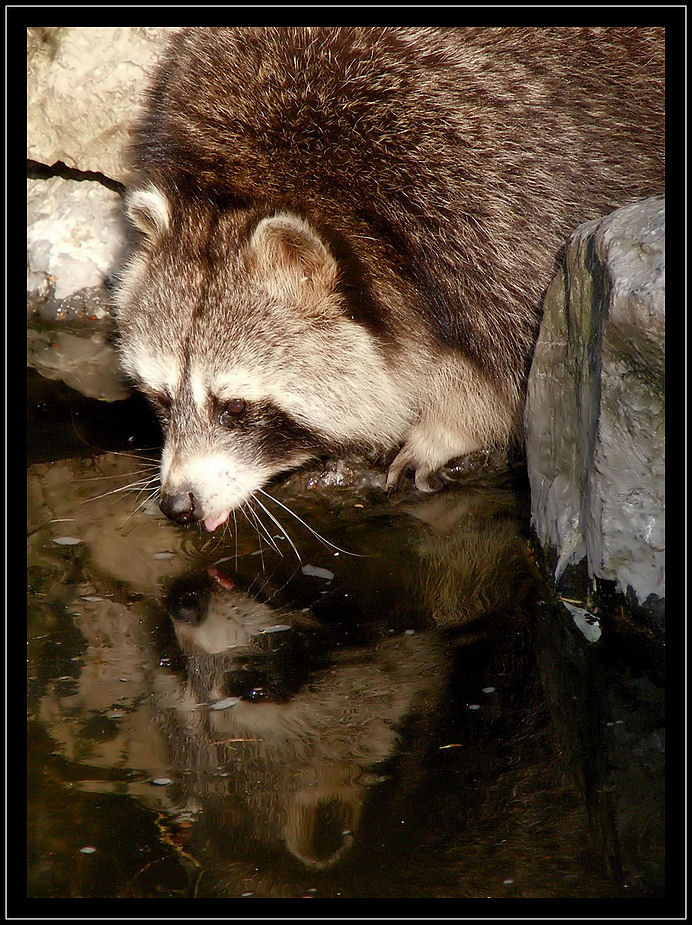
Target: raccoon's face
[(210, 616), (238, 334)]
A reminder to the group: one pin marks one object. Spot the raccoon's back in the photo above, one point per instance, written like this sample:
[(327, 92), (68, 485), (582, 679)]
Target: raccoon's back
[(365, 114), (467, 154)]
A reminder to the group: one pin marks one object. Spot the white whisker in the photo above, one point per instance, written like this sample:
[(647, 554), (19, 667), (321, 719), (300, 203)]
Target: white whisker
[(257, 519), (261, 551), (140, 485), (118, 475), (308, 527), (279, 525), (235, 530), (152, 494)]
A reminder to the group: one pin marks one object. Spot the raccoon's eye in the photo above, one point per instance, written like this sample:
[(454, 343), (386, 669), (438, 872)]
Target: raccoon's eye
[(231, 411)]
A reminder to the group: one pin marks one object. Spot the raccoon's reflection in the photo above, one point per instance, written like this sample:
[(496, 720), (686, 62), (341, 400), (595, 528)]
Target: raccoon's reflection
[(278, 725), (310, 741), (283, 723)]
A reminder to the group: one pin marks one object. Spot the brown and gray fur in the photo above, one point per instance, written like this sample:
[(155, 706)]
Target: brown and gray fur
[(351, 230)]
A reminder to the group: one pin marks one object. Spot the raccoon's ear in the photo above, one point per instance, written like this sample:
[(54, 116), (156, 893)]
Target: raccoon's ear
[(149, 211), (291, 252)]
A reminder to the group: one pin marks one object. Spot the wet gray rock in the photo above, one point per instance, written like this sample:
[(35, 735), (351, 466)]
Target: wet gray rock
[(595, 407), (85, 361), (84, 86)]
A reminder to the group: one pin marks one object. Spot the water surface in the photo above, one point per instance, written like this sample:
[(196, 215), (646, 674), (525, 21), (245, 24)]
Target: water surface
[(392, 711)]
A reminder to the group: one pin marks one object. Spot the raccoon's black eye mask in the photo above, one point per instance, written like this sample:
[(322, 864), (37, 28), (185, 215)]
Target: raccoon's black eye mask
[(272, 429), (161, 404)]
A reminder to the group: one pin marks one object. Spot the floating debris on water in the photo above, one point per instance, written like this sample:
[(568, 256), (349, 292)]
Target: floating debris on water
[(87, 849), (276, 628), (162, 781), (225, 703), (93, 598), (164, 555), (317, 572), (66, 540)]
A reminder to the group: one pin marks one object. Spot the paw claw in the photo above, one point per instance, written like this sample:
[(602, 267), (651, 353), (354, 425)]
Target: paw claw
[(394, 479), (397, 470), (426, 479)]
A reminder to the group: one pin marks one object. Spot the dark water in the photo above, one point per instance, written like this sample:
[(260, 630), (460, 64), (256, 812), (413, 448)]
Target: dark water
[(404, 716)]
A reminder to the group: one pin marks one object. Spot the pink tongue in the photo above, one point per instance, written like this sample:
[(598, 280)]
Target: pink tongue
[(214, 573), (211, 523)]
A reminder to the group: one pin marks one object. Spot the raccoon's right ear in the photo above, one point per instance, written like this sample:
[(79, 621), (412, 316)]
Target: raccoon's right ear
[(291, 253), (149, 211)]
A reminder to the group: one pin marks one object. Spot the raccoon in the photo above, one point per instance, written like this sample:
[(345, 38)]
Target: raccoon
[(345, 234)]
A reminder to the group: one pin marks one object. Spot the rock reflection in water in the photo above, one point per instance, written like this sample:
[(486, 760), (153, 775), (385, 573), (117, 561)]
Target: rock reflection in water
[(380, 733)]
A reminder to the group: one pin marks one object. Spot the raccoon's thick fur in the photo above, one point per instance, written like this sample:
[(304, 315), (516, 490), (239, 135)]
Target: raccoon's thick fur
[(346, 234)]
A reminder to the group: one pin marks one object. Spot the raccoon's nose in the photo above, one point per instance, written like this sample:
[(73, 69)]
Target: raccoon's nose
[(188, 599), (179, 507)]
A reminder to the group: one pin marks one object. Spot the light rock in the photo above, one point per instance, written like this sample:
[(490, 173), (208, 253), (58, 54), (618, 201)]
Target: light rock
[(84, 88), (595, 406), (75, 235)]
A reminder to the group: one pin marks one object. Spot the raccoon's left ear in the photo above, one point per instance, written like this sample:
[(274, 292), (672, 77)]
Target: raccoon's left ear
[(149, 211), (291, 252)]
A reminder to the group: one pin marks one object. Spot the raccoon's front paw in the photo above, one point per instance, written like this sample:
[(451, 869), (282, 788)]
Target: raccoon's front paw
[(425, 478), (428, 480)]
